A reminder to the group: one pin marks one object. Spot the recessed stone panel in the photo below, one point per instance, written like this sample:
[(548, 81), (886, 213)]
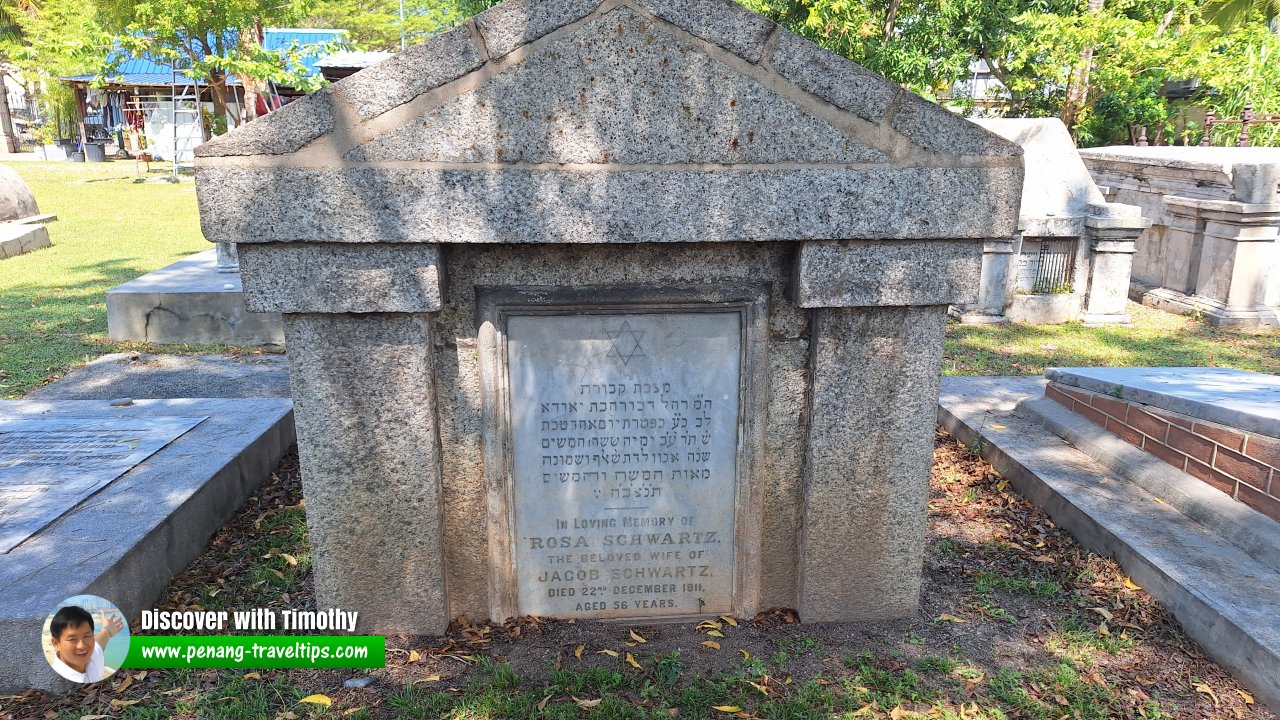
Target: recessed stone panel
[(624, 437)]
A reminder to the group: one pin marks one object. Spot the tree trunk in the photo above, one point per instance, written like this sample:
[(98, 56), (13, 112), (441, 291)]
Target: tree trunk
[(218, 89), (1078, 86), (891, 19), (250, 41)]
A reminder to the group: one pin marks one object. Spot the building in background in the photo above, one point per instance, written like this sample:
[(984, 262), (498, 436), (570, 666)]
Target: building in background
[(147, 106)]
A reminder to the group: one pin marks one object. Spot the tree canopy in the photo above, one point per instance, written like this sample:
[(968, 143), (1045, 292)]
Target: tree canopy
[(1104, 66)]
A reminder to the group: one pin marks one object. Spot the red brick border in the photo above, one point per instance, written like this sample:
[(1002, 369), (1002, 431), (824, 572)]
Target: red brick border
[(1241, 464)]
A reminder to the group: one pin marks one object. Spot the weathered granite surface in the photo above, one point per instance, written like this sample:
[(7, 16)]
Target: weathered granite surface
[(362, 204), (642, 158), (861, 273), (511, 25), (16, 200), (341, 279), (364, 396), (648, 98), (867, 463)]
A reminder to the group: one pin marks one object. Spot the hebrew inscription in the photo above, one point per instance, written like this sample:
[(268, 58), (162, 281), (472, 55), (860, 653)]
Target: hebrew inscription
[(48, 465), (625, 453)]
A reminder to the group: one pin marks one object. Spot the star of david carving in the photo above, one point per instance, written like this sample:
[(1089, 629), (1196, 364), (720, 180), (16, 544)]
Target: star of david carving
[(626, 343)]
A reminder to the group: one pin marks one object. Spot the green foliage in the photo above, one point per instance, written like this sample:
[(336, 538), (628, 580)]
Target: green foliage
[(375, 24), (1040, 49)]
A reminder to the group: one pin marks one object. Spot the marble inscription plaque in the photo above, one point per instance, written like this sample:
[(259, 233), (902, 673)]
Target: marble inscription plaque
[(624, 437), (48, 465)]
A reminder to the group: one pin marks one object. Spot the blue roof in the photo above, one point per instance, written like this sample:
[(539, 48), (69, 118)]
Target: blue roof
[(148, 71), (282, 38)]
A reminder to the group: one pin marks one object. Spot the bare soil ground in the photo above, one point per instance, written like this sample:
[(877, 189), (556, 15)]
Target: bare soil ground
[(1016, 621)]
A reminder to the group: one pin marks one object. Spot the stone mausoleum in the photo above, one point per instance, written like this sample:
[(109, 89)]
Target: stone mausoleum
[(629, 309)]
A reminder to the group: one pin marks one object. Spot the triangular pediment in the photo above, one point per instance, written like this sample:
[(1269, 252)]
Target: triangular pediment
[(626, 82), (620, 89)]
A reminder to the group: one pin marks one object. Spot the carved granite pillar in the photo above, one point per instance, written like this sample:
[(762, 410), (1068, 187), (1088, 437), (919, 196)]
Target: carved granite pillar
[(226, 257), (358, 335), (997, 284), (1235, 276), (1112, 231), (870, 434)]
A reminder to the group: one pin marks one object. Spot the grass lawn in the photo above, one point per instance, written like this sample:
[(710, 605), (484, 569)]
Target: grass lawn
[(1155, 339), (53, 313), (1017, 621)]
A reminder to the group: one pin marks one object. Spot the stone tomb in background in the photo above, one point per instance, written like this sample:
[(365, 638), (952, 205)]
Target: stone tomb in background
[(686, 358)]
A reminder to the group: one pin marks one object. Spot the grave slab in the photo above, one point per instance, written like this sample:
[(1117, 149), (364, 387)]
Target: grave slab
[(128, 538), (1246, 400), (48, 465), (17, 238), (1221, 585), (188, 302)]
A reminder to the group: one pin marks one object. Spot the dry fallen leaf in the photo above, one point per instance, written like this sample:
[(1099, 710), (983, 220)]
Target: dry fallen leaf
[(291, 560), (729, 620), (715, 633), (414, 656), (117, 703), (252, 676), (427, 679), (543, 705), (587, 704), (317, 699), (712, 644), (1131, 585), (631, 660), (948, 617), (1248, 699), (745, 655), (763, 690), (636, 636), (610, 653), (1206, 690), (579, 650), (128, 680), (727, 708)]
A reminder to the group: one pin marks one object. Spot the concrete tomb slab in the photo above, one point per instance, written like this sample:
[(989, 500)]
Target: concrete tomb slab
[(1188, 545), (48, 465), (1072, 257), (1246, 400), (128, 528), (589, 270), (1215, 211), (188, 302), (22, 227)]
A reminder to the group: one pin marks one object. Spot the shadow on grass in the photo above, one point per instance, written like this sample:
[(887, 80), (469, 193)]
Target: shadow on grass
[(1018, 349)]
